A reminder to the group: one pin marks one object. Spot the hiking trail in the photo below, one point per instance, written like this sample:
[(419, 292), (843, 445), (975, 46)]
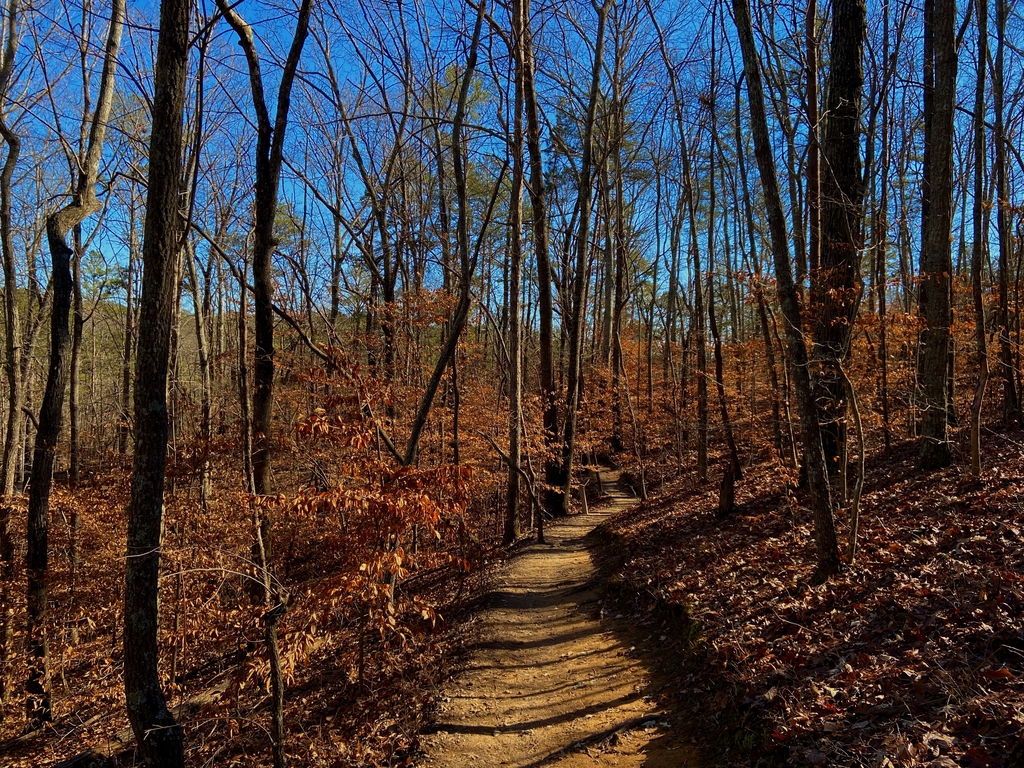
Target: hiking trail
[(550, 680)]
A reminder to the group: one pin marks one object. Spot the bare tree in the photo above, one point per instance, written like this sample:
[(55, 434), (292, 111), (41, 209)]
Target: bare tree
[(15, 391), (84, 203), (468, 255), (734, 469), (936, 257), (836, 284), (270, 139), (980, 237), (539, 213), (269, 159), (13, 336), (585, 191), (814, 457), (515, 353), (158, 735), (1004, 221)]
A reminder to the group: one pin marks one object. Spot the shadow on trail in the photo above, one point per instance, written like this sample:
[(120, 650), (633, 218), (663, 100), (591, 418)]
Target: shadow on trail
[(551, 681), (531, 725)]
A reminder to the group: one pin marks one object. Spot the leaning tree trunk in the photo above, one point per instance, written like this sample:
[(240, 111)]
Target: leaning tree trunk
[(467, 256), (58, 225), (814, 457)]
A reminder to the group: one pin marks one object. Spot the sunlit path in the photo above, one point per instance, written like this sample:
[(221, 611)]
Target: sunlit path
[(549, 681)]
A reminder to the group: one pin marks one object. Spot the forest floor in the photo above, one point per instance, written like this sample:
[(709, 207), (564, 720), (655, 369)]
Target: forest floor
[(549, 679), (658, 634), (912, 656)]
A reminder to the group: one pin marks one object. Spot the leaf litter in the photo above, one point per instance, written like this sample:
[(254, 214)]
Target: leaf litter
[(912, 656)]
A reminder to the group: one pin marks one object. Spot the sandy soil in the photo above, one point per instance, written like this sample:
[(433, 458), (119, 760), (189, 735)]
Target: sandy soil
[(551, 680)]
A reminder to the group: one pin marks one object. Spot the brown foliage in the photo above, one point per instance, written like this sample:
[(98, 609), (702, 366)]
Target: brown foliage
[(911, 655)]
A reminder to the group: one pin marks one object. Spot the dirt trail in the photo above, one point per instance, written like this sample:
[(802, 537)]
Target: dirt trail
[(549, 681)]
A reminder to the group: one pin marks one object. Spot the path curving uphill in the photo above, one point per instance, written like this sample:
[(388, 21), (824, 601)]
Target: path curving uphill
[(549, 680)]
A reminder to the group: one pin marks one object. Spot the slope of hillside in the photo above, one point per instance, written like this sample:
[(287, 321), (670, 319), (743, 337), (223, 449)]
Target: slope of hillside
[(912, 656)]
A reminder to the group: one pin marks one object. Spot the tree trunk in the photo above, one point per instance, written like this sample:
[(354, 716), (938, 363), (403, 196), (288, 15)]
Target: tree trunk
[(515, 357), (15, 383), (935, 303), (814, 457), (124, 423), (77, 333), (58, 225), (269, 158), (467, 255), (980, 238), (203, 347), (244, 400), (734, 461), (881, 276), (575, 372), (545, 309), (813, 148), (762, 312), (158, 735), (836, 285), (851, 548), (699, 321), (1004, 225)]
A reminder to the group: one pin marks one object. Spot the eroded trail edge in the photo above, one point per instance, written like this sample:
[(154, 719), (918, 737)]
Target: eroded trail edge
[(550, 681)]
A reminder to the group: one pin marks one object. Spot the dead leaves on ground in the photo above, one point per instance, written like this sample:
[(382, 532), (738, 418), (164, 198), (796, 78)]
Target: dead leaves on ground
[(913, 656)]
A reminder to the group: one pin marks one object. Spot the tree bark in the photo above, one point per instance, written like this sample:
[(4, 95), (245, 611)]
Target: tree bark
[(575, 371), (980, 238), (159, 737), (836, 284), (814, 457), (935, 304), (58, 225)]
